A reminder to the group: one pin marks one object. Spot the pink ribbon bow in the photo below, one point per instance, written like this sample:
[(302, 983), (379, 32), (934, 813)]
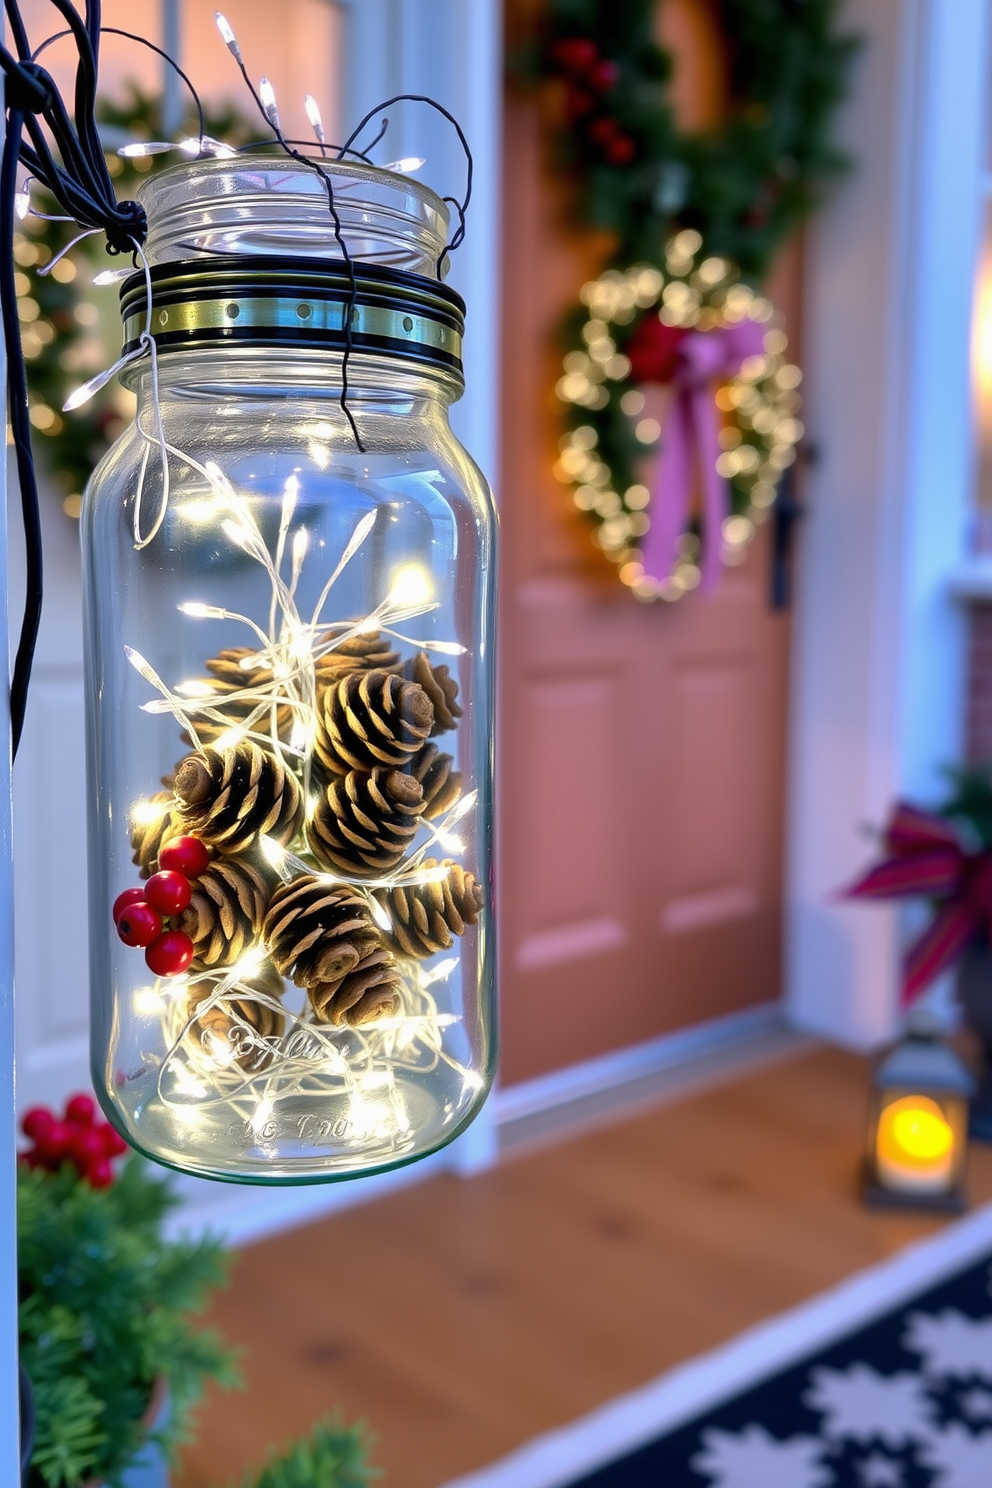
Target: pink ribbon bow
[(691, 429)]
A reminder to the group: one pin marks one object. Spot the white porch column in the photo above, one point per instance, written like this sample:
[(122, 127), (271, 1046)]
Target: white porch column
[(879, 646), (10, 1471), (451, 51)]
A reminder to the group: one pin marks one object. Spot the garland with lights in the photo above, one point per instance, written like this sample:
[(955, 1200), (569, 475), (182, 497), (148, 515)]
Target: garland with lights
[(674, 480)]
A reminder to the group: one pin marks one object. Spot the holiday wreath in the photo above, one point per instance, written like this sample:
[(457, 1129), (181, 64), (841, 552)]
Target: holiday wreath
[(681, 407)]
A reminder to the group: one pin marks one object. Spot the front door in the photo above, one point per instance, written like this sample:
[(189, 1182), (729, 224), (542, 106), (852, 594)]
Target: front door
[(642, 746)]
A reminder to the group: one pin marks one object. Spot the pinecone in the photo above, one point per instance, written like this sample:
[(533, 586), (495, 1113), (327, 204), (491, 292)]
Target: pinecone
[(359, 653), (230, 797), (224, 917), (147, 838), (369, 719), (426, 916), (227, 678), (222, 1027), (364, 823), (318, 932), (371, 991), (440, 783), (440, 687)]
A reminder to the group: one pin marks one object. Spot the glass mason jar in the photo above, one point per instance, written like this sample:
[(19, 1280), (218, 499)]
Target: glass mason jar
[(289, 650)]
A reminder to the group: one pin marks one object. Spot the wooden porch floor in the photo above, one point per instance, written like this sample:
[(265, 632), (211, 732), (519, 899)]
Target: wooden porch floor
[(461, 1317)]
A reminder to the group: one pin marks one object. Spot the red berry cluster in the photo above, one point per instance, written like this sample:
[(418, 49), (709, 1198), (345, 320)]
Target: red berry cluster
[(143, 915), (76, 1137), (589, 77)]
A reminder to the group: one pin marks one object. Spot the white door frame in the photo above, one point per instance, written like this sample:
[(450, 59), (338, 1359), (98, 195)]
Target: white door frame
[(877, 691)]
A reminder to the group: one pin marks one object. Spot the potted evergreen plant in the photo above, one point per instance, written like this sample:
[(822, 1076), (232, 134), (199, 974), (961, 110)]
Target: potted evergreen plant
[(106, 1305), (333, 1456)]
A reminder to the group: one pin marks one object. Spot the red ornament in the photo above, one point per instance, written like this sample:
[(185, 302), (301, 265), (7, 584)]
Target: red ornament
[(653, 350), (129, 896), (621, 151), (168, 892), (184, 855), (604, 75), (170, 954), (575, 53), (80, 1110), (139, 924)]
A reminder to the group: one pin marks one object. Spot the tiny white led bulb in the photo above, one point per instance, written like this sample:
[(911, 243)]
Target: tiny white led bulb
[(316, 122), (227, 35), (267, 94)]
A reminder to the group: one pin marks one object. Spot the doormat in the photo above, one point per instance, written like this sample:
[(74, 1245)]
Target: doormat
[(883, 1382)]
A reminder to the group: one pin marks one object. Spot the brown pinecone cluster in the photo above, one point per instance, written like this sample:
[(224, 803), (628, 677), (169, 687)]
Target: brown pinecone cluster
[(425, 917), (324, 938), (380, 774), (228, 798), (378, 770)]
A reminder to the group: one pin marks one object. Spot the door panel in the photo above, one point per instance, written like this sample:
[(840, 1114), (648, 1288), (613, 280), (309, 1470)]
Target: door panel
[(642, 747)]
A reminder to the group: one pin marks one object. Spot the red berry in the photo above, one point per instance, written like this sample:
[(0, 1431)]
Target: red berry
[(114, 1144), (575, 53), (170, 954), (604, 130), (578, 103), (604, 75), (620, 151), (54, 1146), (37, 1123), (86, 1148), (139, 924), (129, 896), (81, 1110), (100, 1173), (168, 892), (185, 855)]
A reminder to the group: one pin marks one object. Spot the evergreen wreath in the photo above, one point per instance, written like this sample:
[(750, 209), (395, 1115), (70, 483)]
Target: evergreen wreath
[(697, 219)]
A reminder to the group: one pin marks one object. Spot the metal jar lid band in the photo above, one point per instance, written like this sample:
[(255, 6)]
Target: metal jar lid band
[(302, 303)]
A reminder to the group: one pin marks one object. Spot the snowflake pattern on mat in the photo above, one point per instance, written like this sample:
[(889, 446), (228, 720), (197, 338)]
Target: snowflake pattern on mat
[(866, 1406), (903, 1402), (880, 1472), (754, 1459), (951, 1344), (960, 1459)]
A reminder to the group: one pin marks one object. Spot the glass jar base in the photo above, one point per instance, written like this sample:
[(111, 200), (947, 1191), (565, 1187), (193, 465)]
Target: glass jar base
[(302, 1139)]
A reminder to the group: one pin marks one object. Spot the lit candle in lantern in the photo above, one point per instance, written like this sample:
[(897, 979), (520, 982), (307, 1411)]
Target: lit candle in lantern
[(917, 1133)]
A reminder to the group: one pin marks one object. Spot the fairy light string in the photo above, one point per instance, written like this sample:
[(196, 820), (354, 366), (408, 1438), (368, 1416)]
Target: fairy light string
[(65, 155), (244, 1070)]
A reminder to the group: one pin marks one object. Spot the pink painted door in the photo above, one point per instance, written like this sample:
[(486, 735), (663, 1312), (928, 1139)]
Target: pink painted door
[(642, 747)]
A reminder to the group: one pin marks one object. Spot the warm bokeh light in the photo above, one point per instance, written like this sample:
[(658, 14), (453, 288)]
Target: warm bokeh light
[(915, 1144)]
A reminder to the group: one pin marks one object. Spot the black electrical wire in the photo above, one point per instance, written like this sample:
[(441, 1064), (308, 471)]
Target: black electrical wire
[(142, 41), (461, 207), (272, 119), (66, 156), (20, 423)]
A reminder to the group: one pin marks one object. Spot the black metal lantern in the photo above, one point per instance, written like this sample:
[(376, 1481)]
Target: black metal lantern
[(918, 1123)]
